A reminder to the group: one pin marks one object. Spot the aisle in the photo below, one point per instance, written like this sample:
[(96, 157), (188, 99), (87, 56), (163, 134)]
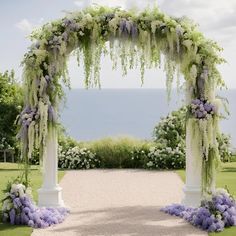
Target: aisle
[(120, 203)]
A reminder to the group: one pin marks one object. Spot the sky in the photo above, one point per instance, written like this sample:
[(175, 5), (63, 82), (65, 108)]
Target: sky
[(216, 19)]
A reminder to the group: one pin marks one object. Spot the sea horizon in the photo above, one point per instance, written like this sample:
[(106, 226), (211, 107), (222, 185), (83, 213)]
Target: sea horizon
[(91, 114)]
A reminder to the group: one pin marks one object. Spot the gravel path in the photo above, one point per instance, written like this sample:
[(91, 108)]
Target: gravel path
[(120, 203)]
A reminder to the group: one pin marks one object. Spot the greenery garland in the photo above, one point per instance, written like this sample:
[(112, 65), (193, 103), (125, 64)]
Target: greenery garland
[(134, 40)]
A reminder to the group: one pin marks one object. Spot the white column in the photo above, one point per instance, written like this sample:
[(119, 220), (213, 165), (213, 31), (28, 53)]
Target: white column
[(192, 187), (50, 192)]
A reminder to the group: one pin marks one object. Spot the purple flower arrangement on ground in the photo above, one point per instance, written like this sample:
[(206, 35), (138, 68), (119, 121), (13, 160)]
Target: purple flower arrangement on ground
[(19, 209), (202, 108), (213, 215)]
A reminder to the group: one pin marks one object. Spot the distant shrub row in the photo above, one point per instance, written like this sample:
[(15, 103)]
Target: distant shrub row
[(121, 152), (167, 151)]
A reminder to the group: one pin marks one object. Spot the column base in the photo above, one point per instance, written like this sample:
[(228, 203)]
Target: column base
[(192, 196), (50, 197)]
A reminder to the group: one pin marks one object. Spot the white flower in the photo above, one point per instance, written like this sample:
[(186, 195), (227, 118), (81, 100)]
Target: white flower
[(28, 191), (18, 188), (5, 203), (13, 188), (152, 149), (21, 192), (150, 163), (221, 191), (81, 33)]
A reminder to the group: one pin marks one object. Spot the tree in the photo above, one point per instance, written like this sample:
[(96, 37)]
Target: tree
[(11, 102)]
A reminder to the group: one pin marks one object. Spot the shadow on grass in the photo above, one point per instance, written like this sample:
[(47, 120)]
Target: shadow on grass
[(9, 227)]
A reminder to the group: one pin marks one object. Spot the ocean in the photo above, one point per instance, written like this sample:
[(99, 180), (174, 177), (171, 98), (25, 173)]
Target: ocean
[(93, 114)]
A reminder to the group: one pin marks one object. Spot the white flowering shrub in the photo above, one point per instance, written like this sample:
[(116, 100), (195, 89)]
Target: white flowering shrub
[(170, 133), (169, 137), (224, 141), (139, 156), (77, 158), (165, 158)]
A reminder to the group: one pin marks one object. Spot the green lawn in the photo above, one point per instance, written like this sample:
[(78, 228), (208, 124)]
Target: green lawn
[(225, 178), (9, 171)]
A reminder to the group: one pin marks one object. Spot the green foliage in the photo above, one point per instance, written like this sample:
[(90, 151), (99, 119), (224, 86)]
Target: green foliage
[(169, 136), (166, 158), (34, 160), (10, 90), (171, 130), (139, 156), (118, 152), (225, 145), (67, 142), (11, 102)]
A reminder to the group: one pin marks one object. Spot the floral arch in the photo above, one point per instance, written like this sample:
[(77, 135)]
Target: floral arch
[(134, 40)]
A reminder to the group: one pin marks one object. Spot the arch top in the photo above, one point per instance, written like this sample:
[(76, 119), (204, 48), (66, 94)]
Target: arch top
[(135, 39)]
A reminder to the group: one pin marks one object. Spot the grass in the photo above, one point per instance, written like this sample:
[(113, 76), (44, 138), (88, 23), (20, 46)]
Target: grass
[(225, 178), (115, 152), (8, 172)]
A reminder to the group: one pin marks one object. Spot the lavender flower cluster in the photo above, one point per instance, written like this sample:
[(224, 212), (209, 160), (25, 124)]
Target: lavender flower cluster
[(28, 115), (128, 28), (213, 215), (201, 108), (19, 209), (24, 119)]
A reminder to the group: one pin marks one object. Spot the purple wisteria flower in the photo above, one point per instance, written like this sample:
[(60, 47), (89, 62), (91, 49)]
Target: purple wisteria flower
[(55, 43), (51, 114), (49, 80), (134, 30), (70, 24), (25, 118), (201, 108), (21, 210), (127, 27), (213, 215), (201, 80), (122, 26)]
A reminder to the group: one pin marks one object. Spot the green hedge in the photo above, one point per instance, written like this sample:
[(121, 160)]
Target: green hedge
[(118, 152)]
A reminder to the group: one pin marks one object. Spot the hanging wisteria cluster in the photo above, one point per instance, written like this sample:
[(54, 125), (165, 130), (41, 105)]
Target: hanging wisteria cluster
[(19, 209), (213, 215), (132, 40)]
